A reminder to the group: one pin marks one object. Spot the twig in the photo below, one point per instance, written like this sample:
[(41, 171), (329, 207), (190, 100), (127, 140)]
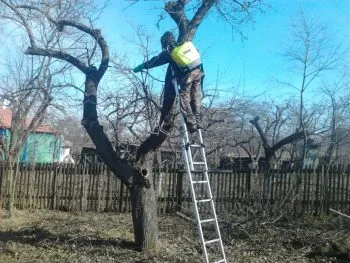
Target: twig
[(184, 217), (339, 213)]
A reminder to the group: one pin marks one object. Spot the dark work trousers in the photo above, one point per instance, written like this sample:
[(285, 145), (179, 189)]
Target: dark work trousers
[(191, 97), (168, 107)]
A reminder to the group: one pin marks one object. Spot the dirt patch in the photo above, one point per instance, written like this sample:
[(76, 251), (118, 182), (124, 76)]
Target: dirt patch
[(51, 236)]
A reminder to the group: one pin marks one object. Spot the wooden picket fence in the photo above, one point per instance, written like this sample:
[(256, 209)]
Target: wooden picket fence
[(94, 188)]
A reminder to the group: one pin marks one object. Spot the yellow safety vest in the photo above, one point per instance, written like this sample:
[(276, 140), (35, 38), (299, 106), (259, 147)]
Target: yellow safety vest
[(186, 56)]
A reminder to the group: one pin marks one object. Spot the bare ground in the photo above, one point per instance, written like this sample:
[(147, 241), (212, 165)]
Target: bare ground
[(52, 236)]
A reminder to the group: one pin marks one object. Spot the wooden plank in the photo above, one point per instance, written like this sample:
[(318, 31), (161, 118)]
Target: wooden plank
[(70, 186), (54, 187), (333, 186), (238, 186), (89, 187), (342, 187), (47, 185), (20, 187), (2, 168), (221, 192), (97, 188), (179, 189), (340, 171), (317, 200), (174, 191), (167, 196), (230, 203), (226, 191), (102, 188), (234, 190), (108, 192), (35, 186), (41, 186), (347, 190), (310, 192), (84, 188), (121, 197), (116, 184)]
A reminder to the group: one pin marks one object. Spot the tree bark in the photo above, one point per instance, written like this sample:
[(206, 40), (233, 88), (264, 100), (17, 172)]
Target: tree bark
[(144, 212), (140, 187), (270, 151), (139, 181)]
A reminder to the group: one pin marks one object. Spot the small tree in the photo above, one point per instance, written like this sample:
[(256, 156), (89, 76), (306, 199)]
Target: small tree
[(338, 113), (311, 51), (28, 88)]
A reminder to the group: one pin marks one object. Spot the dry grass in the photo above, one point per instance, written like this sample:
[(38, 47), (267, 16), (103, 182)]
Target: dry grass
[(52, 236)]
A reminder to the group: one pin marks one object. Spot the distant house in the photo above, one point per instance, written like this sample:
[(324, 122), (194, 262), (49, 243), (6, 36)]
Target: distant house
[(42, 146)]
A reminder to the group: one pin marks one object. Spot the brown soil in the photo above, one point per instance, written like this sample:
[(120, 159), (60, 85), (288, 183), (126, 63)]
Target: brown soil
[(51, 236)]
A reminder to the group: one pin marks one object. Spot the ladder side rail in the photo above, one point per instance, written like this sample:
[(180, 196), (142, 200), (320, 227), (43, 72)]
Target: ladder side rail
[(194, 198), (186, 140), (206, 176), (187, 154), (186, 145)]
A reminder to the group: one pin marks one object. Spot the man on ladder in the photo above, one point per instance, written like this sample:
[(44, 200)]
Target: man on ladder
[(187, 68)]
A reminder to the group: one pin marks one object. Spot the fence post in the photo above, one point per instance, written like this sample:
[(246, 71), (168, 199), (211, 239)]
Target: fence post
[(179, 188), (248, 181)]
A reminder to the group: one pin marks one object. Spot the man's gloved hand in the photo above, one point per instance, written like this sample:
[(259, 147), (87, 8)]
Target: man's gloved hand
[(138, 68)]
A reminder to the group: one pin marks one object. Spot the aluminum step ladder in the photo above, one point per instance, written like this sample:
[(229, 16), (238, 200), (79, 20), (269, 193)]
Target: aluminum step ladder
[(204, 207)]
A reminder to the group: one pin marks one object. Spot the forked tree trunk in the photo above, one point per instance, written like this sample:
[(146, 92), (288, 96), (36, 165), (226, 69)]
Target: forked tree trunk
[(139, 181)]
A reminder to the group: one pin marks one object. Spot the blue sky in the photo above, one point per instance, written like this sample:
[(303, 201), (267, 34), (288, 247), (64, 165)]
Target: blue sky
[(245, 67), (250, 65)]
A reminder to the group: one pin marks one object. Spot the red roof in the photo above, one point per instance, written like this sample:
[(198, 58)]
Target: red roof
[(6, 120)]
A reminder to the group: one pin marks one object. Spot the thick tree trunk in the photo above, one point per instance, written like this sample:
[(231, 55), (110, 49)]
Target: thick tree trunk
[(144, 212), (139, 181)]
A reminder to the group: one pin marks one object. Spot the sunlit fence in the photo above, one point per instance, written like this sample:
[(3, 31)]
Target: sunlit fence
[(95, 188)]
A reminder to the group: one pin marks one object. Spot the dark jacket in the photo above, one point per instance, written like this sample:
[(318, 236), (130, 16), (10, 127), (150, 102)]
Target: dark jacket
[(173, 73), (163, 57)]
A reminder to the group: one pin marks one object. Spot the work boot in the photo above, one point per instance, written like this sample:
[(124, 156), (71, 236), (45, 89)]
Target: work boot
[(198, 122), (191, 128)]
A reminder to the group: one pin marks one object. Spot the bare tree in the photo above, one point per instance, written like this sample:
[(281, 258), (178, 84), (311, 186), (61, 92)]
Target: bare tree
[(338, 112), (274, 135), (73, 42), (28, 88), (311, 52)]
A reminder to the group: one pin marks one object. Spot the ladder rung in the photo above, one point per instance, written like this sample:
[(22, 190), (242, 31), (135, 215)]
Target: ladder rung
[(197, 145), (199, 182), (203, 200), (208, 220), (220, 261), (211, 241), (199, 171), (198, 162)]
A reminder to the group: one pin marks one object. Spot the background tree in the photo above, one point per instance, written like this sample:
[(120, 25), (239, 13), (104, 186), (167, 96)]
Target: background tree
[(338, 107), (64, 37), (274, 132), (311, 52), (28, 87)]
